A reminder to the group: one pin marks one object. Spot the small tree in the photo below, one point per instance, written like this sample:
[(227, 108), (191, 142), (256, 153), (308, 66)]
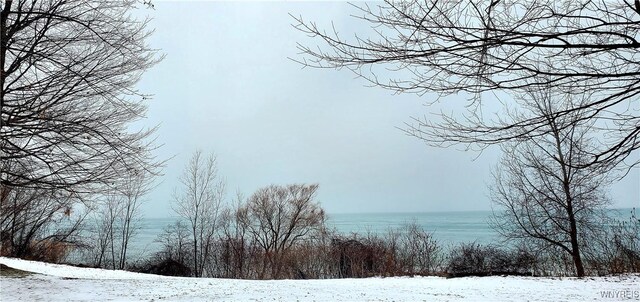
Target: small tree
[(277, 217), (543, 187), (132, 194), (200, 204), (104, 232), (118, 219)]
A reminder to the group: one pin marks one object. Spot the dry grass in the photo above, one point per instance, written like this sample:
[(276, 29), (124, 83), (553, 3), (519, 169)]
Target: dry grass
[(10, 272)]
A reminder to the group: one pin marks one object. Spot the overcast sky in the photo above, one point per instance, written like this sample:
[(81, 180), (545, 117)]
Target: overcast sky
[(226, 86)]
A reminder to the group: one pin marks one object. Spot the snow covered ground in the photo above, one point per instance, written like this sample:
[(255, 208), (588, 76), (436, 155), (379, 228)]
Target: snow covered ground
[(65, 283)]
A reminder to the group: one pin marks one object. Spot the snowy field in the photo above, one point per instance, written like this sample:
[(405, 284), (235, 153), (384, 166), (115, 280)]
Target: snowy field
[(65, 283)]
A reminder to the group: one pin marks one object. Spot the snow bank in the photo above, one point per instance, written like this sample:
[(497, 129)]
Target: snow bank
[(67, 271), (100, 285)]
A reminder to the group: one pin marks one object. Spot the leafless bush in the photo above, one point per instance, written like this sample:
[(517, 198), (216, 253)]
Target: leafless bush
[(238, 254), (357, 258), (238, 258), (626, 240), (38, 224), (48, 250), (417, 252), (409, 250), (312, 259), (164, 266), (175, 243), (618, 250), (473, 259)]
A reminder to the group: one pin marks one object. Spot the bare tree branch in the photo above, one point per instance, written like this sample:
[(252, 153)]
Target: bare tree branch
[(481, 47), (68, 100)]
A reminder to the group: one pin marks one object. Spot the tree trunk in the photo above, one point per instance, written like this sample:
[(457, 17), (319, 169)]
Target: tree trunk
[(566, 183), (195, 253), (575, 248)]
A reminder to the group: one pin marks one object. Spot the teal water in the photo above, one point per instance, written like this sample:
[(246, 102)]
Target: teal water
[(446, 227), (449, 228)]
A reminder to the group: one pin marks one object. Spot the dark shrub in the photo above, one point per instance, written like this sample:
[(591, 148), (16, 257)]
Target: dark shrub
[(618, 249), (166, 267), (359, 258), (48, 250), (472, 259), (468, 259)]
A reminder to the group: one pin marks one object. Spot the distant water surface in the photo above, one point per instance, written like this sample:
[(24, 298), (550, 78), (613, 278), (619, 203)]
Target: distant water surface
[(449, 228)]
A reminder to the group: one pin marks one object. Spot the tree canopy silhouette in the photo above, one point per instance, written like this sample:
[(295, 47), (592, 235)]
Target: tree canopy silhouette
[(447, 47), (68, 100)]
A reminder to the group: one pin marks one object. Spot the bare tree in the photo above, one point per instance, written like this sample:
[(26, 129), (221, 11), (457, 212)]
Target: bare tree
[(200, 204), (111, 211), (237, 249), (277, 217), (115, 219), (68, 99), (133, 191), (103, 232), (483, 47), (544, 189)]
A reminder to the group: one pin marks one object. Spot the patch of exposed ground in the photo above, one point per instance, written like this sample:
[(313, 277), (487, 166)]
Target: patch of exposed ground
[(10, 272)]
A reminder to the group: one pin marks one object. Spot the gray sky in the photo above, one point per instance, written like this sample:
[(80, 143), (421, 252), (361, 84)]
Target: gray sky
[(226, 86)]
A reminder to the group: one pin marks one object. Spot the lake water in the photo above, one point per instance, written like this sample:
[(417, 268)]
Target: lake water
[(447, 227)]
